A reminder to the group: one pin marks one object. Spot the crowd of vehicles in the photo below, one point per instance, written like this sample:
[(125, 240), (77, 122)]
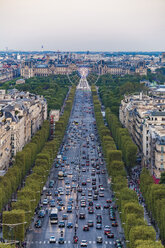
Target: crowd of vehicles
[(77, 201)]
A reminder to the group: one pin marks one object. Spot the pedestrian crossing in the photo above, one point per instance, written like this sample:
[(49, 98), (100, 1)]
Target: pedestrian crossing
[(67, 242)]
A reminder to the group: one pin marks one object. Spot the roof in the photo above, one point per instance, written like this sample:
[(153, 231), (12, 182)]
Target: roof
[(156, 113), (41, 66)]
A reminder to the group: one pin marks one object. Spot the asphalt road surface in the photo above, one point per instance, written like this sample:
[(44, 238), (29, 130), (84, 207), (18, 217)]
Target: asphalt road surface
[(82, 163)]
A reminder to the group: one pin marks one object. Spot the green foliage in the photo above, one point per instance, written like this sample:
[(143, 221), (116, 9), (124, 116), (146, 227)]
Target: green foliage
[(28, 197), (131, 213), (142, 233), (13, 225), (148, 244)]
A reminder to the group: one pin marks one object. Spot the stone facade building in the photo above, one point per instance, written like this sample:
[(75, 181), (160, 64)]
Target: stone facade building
[(21, 115), (144, 117)]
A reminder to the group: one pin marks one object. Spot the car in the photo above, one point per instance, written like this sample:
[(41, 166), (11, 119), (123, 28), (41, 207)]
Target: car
[(98, 206), (91, 203), (59, 199), (56, 193), (83, 203), (107, 229), (69, 225), (79, 189), (95, 197), (96, 192), (67, 192), (106, 206), (114, 224), (103, 172), (101, 194), (75, 239), (118, 244), (52, 203), (90, 210), (59, 208), (110, 235), (48, 193), (84, 243), (86, 228), (67, 187), (41, 213), (84, 183), (98, 226), (69, 209), (101, 188), (112, 217), (99, 218), (45, 201), (90, 223), (61, 240), (83, 194), (64, 216), (61, 203), (99, 240), (61, 224), (51, 183), (109, 201), (38, 224), (52, 239), (82, 216)]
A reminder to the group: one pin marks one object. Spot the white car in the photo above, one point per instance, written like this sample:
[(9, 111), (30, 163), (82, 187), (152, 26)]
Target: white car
[(45, 201), (84, 243), (61, 192), (52, 239)]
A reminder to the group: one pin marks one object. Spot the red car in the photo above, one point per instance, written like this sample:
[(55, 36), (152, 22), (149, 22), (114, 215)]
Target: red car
[(86, 228), (90, 210), (107, 230), (114, 224), (75, 239), (109, 201)]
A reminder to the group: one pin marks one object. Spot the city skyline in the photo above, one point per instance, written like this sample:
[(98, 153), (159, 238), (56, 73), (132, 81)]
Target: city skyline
[(81, 25)]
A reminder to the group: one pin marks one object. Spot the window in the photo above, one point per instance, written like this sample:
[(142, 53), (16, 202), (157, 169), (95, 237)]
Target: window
[(162, 149), (163, 119)]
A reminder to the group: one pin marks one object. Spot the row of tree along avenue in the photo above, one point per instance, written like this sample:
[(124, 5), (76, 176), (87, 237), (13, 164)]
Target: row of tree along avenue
[(137, 232), (154, 195), (17, 221)]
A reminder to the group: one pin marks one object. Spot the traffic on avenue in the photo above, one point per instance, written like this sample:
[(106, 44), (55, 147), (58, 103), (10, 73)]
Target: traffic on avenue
[(77, 208)]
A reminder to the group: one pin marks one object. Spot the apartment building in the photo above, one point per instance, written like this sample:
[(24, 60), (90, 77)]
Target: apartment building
[(144, 115), (22, 114)]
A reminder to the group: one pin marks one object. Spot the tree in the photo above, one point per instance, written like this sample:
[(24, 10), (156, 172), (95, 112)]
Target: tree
[(142, 233), (13, 225)]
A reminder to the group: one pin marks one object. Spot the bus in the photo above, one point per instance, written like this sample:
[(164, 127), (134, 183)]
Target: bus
[(54, 216), (60, 175)]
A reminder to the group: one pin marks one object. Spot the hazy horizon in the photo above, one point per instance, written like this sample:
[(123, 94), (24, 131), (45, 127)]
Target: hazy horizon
[(76, 25)]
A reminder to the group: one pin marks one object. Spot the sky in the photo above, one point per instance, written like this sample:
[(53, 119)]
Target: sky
[(81, 25)]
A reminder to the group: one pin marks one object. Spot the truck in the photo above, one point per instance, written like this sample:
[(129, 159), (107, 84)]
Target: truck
[(54, 216)]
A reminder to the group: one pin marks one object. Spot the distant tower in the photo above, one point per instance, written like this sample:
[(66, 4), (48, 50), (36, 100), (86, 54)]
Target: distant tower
[(42, 48)]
